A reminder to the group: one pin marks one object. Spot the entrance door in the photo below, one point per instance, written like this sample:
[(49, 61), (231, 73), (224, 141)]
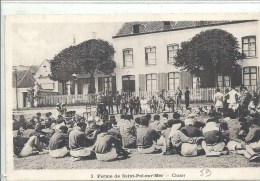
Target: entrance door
[(128, 82), (25, 99)]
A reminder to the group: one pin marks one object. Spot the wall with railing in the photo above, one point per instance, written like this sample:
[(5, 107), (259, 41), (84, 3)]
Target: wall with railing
[(196, 95)]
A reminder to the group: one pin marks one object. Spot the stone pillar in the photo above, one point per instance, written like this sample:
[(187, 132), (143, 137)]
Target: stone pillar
[(76, 88), (68, 86)]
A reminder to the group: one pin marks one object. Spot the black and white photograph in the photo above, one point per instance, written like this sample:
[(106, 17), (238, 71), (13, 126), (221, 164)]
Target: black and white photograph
[(133, 94)]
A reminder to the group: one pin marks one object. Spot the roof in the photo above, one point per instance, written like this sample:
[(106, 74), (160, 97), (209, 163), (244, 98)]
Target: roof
[(147, 27), (24, 79), (33, 69), (49, 61)]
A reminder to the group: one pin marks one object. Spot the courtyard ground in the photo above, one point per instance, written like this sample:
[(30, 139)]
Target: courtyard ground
[(135, 159)]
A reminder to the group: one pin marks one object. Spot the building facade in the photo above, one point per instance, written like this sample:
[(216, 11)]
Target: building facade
[(145, 52), (22, 81), (42, 77)]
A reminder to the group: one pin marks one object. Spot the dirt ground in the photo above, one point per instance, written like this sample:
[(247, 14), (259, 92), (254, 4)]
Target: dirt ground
[(135, 159)]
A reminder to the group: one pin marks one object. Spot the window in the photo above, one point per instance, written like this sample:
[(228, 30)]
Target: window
[(250, 76), (201, 23), (48, 86), (196, 82), (151, 82), (128, 57), (136, 28), (107, 84), (249, 46), (150, 55), (172, 52), (223, 81), (173, 80), (128, 83), (166, 25)]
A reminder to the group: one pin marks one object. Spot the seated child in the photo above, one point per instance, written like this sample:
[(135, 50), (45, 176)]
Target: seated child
[(108, 147), (78, 142), (213, 138), (146, 137), (58, 145)]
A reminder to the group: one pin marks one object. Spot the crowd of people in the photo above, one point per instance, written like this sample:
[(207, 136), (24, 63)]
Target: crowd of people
[(231, 125), (135, 105)]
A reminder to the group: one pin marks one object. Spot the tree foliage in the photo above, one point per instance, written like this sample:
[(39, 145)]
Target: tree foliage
[(210, 53), (91, 56)]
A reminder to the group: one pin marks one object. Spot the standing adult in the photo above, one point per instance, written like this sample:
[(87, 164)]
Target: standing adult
[(187, 98), (218, 99), (233, 99), (178, 95), (117, 100), (137, 105), (110, 103)]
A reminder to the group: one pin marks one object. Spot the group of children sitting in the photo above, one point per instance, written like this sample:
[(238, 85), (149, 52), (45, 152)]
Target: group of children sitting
[(109, 139)]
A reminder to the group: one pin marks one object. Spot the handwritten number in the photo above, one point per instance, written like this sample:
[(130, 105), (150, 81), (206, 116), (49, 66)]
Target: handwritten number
[(205, 172)]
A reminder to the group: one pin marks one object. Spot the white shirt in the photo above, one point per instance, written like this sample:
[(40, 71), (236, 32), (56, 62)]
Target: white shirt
[(232, 97), (218, 97)]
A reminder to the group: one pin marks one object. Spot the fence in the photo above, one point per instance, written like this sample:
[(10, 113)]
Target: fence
[(81, 99), (196, 95)]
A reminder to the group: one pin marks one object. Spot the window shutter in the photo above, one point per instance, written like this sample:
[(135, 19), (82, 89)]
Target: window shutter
[(162, 81), (142, 82), (185, 80), (113, 84), (100, 84)]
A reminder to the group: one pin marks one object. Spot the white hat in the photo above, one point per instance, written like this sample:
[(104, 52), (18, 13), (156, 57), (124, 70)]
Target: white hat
[(189, 121)]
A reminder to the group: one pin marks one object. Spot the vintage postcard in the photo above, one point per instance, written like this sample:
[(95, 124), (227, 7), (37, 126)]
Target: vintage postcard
[(108, 96)]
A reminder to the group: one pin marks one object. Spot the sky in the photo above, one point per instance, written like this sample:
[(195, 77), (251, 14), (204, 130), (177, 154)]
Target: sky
[(34, 42)]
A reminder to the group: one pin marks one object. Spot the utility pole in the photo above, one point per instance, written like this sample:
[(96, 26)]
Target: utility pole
[(16, 92)]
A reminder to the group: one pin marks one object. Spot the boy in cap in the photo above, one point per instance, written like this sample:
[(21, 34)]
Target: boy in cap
[(78, 142), (58, 143)]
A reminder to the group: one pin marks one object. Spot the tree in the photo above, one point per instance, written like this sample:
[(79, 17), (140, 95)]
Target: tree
[(208, 54), (91, 56), (95, 56)]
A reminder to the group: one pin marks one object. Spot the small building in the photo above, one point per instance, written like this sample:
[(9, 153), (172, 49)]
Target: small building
[(42, 77), (145, 53), (22, 81)]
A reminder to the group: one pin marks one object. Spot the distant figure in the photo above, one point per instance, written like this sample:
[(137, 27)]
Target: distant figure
[(187, 98), (110, 103), (218, 99), (233, 99), (144, 105), (178, 95), (117, 100)]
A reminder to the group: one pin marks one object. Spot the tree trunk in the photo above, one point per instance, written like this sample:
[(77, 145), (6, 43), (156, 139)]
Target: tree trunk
[(92, 89), (216, 78)]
